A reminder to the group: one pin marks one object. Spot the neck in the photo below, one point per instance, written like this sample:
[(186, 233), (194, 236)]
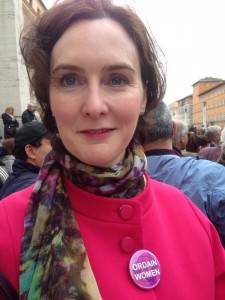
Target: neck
[(179, 146), (32, 162), (159, 144)]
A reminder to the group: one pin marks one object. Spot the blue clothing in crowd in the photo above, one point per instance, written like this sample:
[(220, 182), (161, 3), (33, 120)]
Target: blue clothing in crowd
[(23, 175), (202, 181)]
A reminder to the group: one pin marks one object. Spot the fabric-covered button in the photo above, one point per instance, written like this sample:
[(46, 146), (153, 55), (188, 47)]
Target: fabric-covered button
[(127, 244), (126, 212)]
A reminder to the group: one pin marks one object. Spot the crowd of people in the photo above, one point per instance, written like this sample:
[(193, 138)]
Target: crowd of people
[(11, 126), (201, 180), (10, 122), (31, 144), (206, 144), (107, 197)]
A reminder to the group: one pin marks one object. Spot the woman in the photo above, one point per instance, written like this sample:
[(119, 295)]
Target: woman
[(6, 154), (196, 143), (95, 226), (10, 122)]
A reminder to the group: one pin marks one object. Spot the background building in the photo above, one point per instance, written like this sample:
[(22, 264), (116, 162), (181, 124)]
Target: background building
[(199, 103), (205, 107), (14, 86), (182, 110), (32, 9), (213, 112)]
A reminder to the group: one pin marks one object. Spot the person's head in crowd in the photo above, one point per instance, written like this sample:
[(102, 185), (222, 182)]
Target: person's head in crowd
[(214, 134), (180, 137), (193, 129), (32, 143), (31, 106), (9, 110), (8, 145), (160, 129), (163, 136), (196, 142), (152, 133), (222, 135), (221, 159), (6, 153)]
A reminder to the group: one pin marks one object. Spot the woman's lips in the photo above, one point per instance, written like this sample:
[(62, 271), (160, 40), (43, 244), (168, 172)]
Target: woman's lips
[(97, 133)]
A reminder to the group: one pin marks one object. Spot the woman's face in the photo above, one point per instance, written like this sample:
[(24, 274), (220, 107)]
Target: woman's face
[(10, 111), (96, 91), (217, 137)]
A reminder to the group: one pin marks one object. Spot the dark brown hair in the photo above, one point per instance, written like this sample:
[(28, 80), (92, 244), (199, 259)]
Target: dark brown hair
[(8, 144), (37, 44), (196, 142)]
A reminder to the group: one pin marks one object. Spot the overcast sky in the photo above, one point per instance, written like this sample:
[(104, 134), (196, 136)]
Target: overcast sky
[(191, 33)]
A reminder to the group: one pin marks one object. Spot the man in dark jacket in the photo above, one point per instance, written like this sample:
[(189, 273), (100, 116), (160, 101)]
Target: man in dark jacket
[(32, 143), (28, 115)]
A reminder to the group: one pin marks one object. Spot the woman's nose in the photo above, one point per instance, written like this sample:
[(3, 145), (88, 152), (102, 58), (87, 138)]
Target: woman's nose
[(95, 104)]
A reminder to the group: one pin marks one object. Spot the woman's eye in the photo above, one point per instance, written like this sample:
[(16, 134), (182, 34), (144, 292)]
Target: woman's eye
[(118, 81), (69, 80)]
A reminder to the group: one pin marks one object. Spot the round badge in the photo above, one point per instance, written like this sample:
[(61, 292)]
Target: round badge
[(145, 269)]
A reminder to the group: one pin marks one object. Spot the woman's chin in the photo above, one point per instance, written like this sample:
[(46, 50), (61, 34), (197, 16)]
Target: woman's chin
[(102, 161)]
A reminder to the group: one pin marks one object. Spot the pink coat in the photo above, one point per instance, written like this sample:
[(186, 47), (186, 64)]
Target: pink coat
[(161, 219)]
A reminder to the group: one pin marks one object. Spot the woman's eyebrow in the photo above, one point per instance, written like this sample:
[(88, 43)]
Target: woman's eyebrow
[(106, 68), (119, 66), (66, 67)]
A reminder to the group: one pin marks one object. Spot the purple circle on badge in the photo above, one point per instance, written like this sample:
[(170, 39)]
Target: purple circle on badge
[(145, 269)]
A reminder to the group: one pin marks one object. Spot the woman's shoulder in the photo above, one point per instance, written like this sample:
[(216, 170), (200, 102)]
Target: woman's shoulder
[(4, 115), (162, 189)]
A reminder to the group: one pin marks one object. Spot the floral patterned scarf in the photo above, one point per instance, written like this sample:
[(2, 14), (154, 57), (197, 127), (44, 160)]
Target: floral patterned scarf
[(54, 263)]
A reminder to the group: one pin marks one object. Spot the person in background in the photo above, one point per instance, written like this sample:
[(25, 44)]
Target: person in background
[(195, 144), (6, 154), (38, 113), (221, 159), (210, 153), (28, 115), (213, 151), (32, 143), (3, 174), (94, 225), (202, 181), (181, 137), (222, 138), (10, 122), (214, 134)]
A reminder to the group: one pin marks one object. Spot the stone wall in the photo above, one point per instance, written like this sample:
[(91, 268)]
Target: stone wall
[(14, 86)]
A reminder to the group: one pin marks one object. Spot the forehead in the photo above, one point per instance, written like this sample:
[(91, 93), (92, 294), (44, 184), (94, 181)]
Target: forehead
[(101, 38)]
